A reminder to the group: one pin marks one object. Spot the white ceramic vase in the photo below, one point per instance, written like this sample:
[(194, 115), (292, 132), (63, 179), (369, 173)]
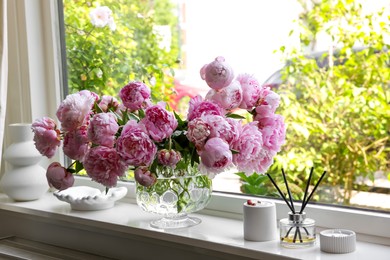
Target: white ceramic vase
[(26, 180)]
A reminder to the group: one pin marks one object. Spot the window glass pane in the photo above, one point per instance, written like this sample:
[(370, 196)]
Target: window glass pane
[(110, 42), (328, 61)]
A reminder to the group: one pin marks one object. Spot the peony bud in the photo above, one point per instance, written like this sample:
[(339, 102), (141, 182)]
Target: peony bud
[(168, 157), (58, 177), (144, 177), (217, 74)]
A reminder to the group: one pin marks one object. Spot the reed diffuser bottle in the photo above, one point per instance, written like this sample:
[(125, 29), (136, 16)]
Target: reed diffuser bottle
[(297, 231)]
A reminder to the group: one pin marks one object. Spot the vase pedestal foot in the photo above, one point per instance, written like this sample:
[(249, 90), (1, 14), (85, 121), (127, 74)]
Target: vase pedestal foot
[(178, 221)]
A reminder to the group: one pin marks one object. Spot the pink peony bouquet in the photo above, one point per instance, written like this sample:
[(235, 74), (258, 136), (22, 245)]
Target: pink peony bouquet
[(107, 137)]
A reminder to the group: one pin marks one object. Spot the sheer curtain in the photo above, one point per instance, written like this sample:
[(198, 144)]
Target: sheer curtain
[(3, 69)]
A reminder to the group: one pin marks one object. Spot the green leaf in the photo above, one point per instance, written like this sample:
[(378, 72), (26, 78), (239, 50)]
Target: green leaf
[(79, 166), (177, 146), (235, 116), (242, 175), (194, 157), (180, 122), (234, 151), (97, 108), (133, 117), (141, 113)]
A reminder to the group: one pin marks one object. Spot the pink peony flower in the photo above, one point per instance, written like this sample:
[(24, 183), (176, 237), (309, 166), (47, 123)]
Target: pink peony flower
[(109, 103), (104, 165), (250, 89), (265, 161), (58, 177), (271, 98), (102, 16), (197, 132), (217, 74), (144, 177), (168, 157), (135, 146), (198, 107), (89, 94), (250, 149), (267, 104), (134, 95), (274, 132), (159, 123), (74, 111), (224, 128), (215, 157), (228, 98), (46, 136), (234, 130), (133, 125), (102, 129), (76, 143)]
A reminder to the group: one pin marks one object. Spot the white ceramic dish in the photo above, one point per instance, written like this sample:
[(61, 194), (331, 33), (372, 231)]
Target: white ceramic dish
[(87, 198)]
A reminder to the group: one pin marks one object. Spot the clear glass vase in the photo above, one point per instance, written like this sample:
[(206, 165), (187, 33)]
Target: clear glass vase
[(174, 198)]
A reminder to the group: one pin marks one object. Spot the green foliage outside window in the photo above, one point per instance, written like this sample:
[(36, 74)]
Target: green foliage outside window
[(337, 115), (104, 60)]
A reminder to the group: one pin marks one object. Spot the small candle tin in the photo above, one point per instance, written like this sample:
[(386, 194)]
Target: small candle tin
[(337, 241)]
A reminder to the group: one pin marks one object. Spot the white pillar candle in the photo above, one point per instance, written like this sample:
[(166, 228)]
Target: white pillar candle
[(260, 221)]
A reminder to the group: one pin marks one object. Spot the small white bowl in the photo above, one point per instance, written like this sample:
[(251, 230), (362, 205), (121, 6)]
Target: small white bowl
[(86, 198)]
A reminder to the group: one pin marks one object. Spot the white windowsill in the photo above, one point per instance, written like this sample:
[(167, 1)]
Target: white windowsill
[(215, 237)]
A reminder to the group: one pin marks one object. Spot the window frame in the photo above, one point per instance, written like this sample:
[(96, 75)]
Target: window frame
[(42, 16)]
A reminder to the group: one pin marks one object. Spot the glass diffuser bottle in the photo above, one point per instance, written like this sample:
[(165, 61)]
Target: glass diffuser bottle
[(297, 231)]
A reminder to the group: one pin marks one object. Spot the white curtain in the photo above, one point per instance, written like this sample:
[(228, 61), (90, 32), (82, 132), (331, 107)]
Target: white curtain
[(3, 70)]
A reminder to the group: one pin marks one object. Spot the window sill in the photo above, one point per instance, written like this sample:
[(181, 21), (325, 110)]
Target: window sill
[(124, 231)]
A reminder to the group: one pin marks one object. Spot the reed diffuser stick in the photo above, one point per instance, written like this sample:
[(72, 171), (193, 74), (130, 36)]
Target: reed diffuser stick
[(306, 190), (312, 192), (288, 191), (280, 192)]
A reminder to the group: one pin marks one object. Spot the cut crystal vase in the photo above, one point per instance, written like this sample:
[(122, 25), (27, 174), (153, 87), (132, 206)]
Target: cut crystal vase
[(174, 198)]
